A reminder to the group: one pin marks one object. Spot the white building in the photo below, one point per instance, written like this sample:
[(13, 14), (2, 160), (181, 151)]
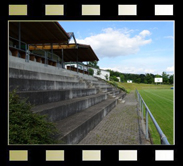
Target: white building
[(81, 66), (97, 72), (101, 73), (129, 81), (118, 79)]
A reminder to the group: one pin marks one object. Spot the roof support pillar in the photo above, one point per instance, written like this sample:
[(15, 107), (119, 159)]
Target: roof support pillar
[(27, 53), (51, 50), (83, 69), (77, 61), (62, 58), (19, 34), (87, 68), (45, 58)]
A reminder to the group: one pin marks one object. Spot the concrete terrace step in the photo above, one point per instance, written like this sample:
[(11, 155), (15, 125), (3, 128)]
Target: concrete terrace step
[(48, 96), (26, 74), (19, 63), (108, 89), (120, 95), (114, 92), (32, 84), (62, 109), (74, 128)]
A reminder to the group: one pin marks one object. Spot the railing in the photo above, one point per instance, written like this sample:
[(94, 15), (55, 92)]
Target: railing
[(21, 49), (141, 102)]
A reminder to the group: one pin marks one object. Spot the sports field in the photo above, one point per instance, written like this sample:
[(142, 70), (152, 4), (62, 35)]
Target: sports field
[(159, 99), (160, 103)]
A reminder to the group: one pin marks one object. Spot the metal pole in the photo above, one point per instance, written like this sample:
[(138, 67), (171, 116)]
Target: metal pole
[(140, 103), (62, 58), (77, 61), (87, 67), (148, 113), (19, 35), (45, 58), (147, 135), (27, 53), (52, 51), (142, 111), (83, 69)]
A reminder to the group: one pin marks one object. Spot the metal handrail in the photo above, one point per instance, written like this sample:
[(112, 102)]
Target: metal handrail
[(45, 55), (163, 138)]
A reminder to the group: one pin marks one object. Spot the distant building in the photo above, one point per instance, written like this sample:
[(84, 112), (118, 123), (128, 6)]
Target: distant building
[(129, 81), (118, 79), (81, 65), (101, 73)]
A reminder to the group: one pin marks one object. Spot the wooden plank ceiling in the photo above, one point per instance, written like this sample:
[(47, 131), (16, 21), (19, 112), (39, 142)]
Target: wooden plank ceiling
[(44, 33)]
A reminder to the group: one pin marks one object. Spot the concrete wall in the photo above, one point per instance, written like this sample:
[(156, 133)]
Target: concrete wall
[(19, 63)]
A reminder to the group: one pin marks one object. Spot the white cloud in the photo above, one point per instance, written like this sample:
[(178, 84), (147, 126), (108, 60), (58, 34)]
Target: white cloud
[(145, 33), (170, 69), (168, 37), (140, 65), (116, 42)]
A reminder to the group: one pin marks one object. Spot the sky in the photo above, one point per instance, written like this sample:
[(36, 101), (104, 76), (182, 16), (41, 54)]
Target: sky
[(137, 47)]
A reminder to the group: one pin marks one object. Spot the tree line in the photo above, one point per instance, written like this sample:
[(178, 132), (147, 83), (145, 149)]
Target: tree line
[(147, 78)]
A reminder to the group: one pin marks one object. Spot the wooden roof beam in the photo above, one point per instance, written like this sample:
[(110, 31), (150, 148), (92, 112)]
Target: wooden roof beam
[(55, 47)]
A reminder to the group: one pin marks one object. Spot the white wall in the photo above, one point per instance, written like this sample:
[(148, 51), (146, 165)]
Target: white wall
[(75, 65), (102, 74), (129, 81), (118, 79)]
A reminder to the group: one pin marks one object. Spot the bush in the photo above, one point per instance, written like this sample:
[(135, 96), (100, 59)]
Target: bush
[(116, 85), (114, 78), (91, 71), (26, 127)]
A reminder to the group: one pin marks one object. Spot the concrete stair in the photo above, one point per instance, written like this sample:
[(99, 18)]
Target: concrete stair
[(62, 109), (48, 96), (36, 85), (74, 128), (75, 102)]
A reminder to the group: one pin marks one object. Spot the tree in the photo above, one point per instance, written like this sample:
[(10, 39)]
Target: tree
[(142, 78), (93, 64), (114, 78), (98, 72), (171, 79), (149, 78), (90, 71), (122, 78), (106, 77), (138, 80), (26, 127), (165, 78), (157, 76)]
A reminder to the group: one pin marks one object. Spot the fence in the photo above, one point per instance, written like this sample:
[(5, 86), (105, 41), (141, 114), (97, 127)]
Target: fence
[(21, 49), (142, 104)]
